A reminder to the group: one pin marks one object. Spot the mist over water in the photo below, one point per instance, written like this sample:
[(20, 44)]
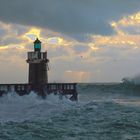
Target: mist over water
[(132, 80), (103, 112)]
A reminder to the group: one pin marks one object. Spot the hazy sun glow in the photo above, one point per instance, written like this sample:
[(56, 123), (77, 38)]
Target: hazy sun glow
[(76, 76), (33, 33), (131, 20), (3, 47)]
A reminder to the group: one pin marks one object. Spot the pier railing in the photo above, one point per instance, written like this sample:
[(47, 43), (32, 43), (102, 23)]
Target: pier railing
[(65, 88), (22, 89)]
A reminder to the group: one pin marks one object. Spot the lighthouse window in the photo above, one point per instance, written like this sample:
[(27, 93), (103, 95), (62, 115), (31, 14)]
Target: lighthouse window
[(38, 46)]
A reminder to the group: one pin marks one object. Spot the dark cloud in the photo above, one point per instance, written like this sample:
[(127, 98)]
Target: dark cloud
[(67, 16)]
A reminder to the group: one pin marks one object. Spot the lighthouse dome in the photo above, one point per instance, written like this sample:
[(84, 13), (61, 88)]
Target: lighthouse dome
[(37, 45)]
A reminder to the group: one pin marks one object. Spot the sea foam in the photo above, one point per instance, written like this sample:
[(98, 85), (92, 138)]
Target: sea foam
[(30, 107)]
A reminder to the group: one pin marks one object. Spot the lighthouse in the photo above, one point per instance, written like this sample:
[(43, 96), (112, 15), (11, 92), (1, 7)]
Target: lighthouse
[(38, 78), (38, 66)]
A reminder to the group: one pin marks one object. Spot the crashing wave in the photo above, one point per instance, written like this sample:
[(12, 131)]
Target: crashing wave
[(133, 81), (31, 107)]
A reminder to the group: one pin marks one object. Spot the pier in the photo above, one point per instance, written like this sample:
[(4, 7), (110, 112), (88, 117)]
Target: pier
[(50, 88)]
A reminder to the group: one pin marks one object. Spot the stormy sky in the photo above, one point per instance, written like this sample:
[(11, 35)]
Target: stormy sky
[(86, 40)]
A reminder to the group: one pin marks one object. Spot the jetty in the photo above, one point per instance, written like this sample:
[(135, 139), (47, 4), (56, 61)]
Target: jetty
[(38, 78)]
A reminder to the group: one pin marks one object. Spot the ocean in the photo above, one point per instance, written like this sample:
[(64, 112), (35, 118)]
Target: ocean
[(103, 112)]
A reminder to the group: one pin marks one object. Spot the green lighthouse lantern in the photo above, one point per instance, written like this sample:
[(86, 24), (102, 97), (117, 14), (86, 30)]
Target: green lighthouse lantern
[(37, 45)]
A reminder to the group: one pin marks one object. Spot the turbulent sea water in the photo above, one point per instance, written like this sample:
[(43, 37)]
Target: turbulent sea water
[(103, 112)]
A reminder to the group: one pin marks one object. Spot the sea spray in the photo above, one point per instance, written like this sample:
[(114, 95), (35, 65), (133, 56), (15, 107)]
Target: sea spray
[(132, 80), (30, 107)]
